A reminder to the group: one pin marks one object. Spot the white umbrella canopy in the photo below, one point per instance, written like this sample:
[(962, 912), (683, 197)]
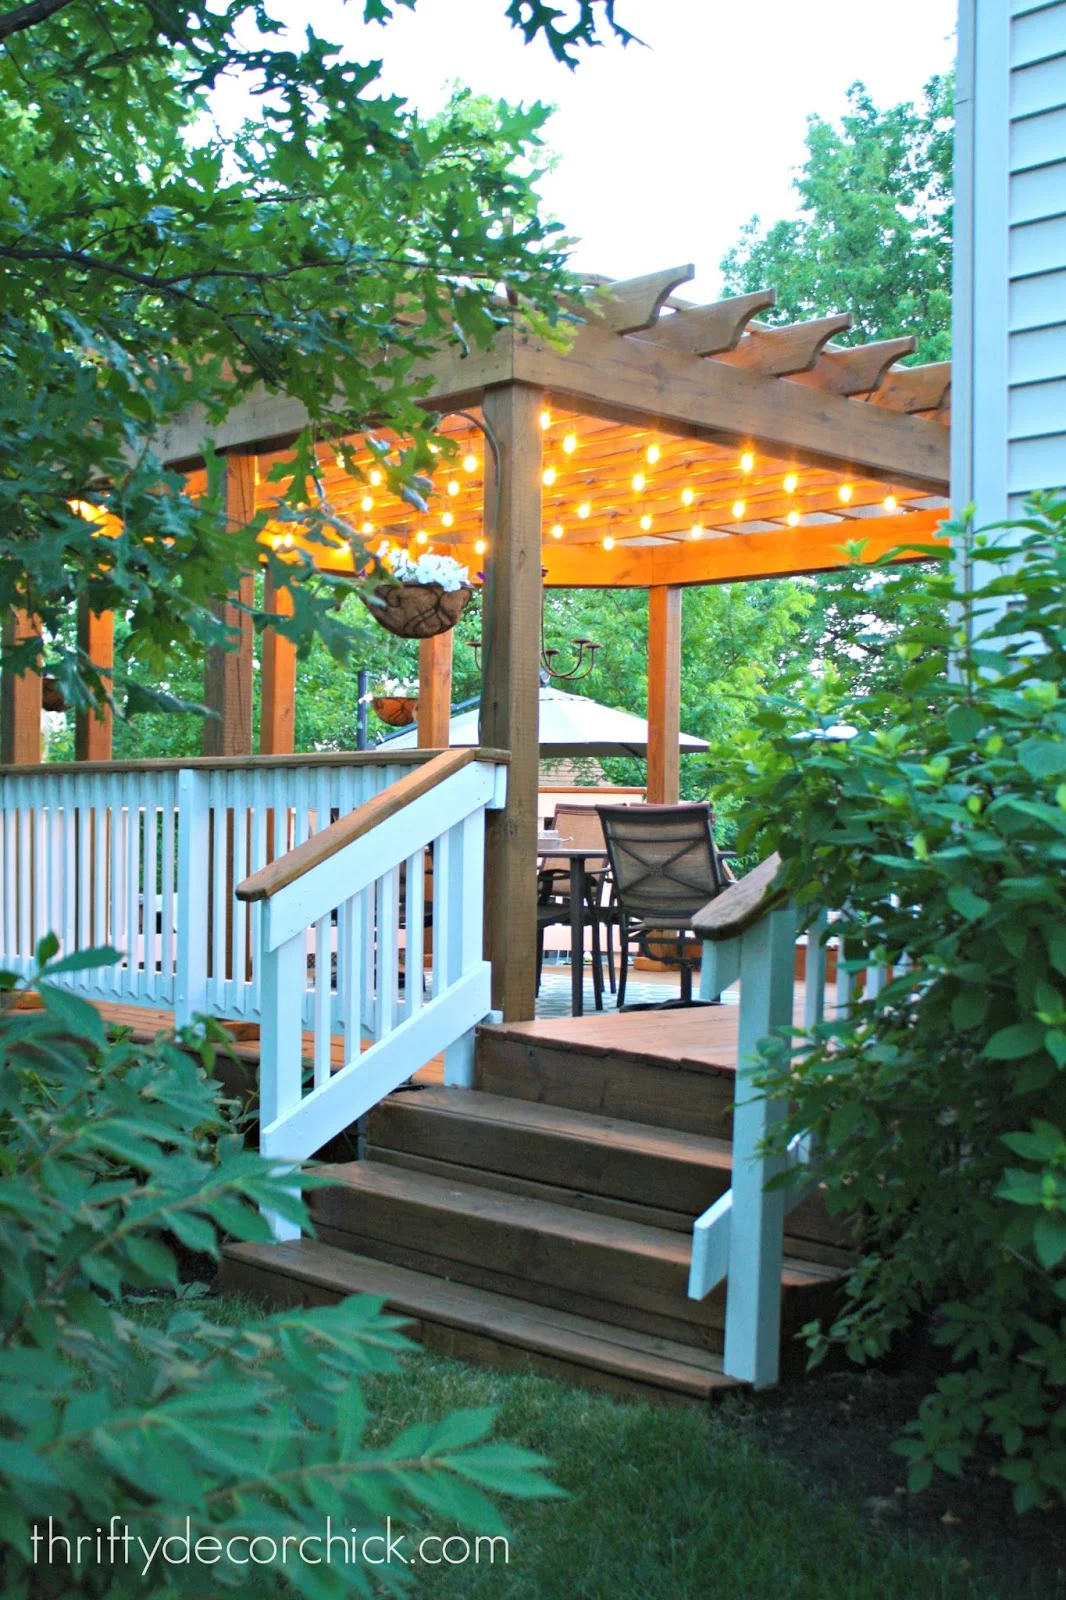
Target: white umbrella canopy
[(570, 725)]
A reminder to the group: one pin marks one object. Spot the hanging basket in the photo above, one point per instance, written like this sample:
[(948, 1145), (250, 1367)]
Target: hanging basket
[(399, 711), (418, 610)]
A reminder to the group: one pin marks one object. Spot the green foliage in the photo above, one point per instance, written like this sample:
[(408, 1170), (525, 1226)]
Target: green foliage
[(874, 232), (939, 1105), (114, 1159), (152, 266)]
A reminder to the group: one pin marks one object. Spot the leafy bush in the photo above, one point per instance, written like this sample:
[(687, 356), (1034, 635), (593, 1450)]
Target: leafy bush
[(939, 1104), (111, 1154)]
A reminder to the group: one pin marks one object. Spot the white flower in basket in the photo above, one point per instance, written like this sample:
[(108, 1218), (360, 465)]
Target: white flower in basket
[(417, 598), (443, 570)]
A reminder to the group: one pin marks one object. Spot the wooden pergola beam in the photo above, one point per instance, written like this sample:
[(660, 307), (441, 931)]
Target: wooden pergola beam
[(707, 330), (228, 673), (777, 352), (435, 691), (639, 381), (922, 388), (737, 557), (859, 370), (664, 694), (277, 680), (635, 303)]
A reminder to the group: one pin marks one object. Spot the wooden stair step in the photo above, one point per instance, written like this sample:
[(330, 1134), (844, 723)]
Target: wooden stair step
[(578, 1260), (585, 1073), (575, 1156), (479, 1324)]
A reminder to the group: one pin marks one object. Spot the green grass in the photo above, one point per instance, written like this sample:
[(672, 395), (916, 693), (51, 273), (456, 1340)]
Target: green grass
[(662, 1503)]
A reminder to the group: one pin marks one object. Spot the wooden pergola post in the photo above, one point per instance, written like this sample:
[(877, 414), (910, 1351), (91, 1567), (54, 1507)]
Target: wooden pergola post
[(435, 691), (228, 673), (277, 680), (20, 702), (93, 729), (510, 707), (664, 694)]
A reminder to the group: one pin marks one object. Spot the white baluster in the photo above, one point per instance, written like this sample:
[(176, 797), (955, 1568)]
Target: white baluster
[(284, 976), (414, 918), (814, 978), (191, 995), (463, 916)]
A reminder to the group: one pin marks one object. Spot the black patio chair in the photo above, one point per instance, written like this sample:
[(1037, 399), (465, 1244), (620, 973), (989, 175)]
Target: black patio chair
[(665, 867)]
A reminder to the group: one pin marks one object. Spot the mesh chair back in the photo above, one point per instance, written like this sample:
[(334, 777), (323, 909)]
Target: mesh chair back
[(577, 825), (663, 860)]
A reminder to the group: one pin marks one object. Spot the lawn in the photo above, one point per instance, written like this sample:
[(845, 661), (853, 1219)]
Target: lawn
[(662, 1503)]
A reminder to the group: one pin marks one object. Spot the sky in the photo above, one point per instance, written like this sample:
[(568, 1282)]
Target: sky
[(665, 150)]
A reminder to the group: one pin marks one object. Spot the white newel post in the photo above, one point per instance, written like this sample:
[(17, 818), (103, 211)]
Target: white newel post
[(757, 1223), (190, 995), (464, 877), (284, 979)]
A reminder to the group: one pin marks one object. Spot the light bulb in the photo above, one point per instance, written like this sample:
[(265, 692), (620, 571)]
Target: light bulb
[(434, 449), (844, 493), (366, 503), (583, 509), (480, 547), (687, 497), (545, 420), (557, 530), (891, 503), (696, 531), (747, 461), (287, 541), (447, 519), (739, 509), (368, 527), (453, 487), (793, 519), (548, 477), (638, 482), (608, 543), (375, 478), (570, 443), (653, 453), (791, 483), (645, 522), (421, 537), (470, 463)]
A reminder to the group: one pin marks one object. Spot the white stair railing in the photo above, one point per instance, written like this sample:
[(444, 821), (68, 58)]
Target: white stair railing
[(749, 933), (340, 917)]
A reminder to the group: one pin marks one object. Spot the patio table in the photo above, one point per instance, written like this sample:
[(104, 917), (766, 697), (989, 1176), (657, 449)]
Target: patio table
[(577, 855)]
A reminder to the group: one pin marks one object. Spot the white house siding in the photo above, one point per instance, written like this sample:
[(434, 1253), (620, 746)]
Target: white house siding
[(1009, 388)]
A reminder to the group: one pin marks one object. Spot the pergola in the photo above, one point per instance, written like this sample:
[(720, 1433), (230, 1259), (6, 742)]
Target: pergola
[(671, 444)]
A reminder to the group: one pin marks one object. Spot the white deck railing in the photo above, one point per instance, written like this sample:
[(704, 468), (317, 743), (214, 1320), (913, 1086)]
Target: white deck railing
[(145, 856), (355, 899), (750, 934)]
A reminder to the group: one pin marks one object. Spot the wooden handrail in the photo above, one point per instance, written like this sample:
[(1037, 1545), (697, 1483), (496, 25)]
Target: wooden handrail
[(381, 756), (741, 905), (269, 880)]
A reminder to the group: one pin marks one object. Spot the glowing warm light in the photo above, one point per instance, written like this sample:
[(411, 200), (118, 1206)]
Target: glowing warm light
[(545, 419), (557, 530), (548, 477), (844, 493), (287, 541), (747, 461), (434, 449), (608, 543), (453, 487), (793, 519), (367, 503), (570, 443), (687, 497), (891, 503), (368, 527), (375, 478), (791, 483), (696, 531), (447, 519), (480, 547), (645, 522), (653, 453), (421, 537), (87, 512), (639, 481), (739, 509), (470, 463), (583, 509)]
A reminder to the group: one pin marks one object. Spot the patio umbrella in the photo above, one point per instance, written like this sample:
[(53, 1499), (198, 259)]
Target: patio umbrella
[(570, 725)]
